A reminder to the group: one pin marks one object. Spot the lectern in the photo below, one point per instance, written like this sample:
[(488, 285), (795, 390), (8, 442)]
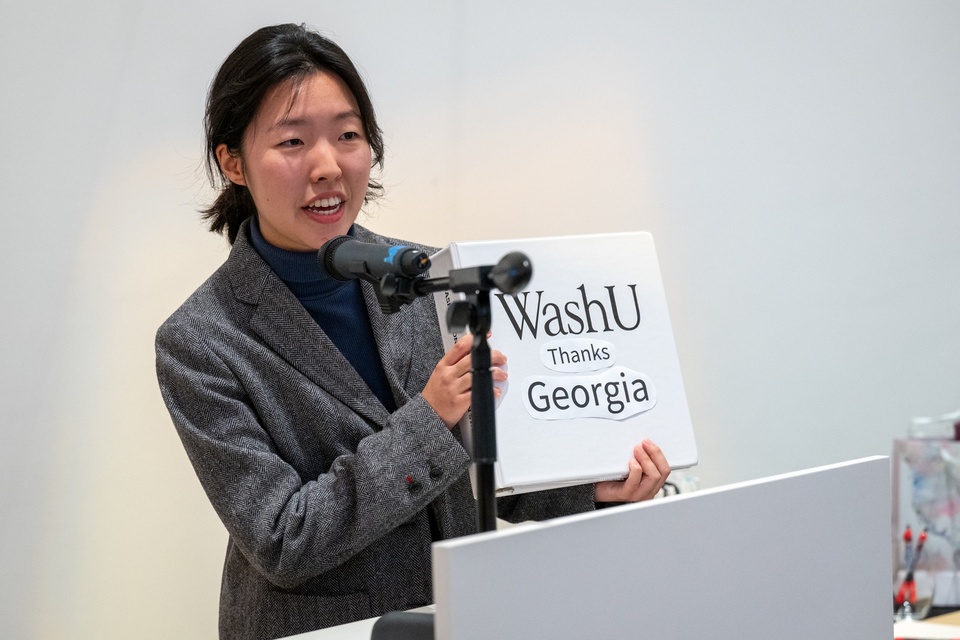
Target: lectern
[(793, 557)]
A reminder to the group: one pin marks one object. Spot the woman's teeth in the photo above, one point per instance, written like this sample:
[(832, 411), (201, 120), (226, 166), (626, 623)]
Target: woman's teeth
[(326, 204)]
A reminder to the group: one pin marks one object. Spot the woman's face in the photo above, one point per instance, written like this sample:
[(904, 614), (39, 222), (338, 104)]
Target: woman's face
[(306, 162)]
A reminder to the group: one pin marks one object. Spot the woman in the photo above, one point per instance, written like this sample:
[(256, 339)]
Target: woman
[(322, 430)]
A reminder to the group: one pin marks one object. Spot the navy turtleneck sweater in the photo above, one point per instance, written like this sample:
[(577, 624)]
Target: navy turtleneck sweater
[(337, 306)]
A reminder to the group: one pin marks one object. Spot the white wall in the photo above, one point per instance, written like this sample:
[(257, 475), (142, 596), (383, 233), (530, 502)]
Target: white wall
[(798, 163)]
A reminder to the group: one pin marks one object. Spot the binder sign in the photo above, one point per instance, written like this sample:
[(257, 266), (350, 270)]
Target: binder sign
[(591, 359)]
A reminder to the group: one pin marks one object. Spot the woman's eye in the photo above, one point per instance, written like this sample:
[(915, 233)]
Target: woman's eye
[(350, 135), (293, 142)]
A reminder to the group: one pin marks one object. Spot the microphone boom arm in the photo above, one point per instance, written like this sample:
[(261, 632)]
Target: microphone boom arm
[(510, 275)]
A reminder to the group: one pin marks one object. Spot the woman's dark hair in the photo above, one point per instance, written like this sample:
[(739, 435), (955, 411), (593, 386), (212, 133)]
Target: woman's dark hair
[(264, 59)]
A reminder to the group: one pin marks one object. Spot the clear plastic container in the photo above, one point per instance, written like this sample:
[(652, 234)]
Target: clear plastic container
[(946, 426)]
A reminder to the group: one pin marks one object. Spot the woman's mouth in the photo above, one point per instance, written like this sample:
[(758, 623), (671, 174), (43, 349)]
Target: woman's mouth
[(324, 206)]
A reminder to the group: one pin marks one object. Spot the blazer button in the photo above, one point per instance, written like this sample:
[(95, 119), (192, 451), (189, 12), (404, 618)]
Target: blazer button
[(414, 486), (436, 473)]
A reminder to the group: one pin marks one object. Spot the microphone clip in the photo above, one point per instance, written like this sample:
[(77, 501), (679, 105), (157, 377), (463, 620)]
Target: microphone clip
[(394, 291)]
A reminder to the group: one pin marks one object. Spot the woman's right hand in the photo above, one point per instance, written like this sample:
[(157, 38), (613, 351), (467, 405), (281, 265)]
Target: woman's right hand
[(449, 386)]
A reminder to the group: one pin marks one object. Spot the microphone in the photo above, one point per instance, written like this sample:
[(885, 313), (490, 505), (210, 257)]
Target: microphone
[(347, 259)]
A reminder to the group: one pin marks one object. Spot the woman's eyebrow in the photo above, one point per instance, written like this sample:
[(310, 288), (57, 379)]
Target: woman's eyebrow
[(296, 122)]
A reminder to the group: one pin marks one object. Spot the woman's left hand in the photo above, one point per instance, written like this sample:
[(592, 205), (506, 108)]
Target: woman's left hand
[(648, 471)]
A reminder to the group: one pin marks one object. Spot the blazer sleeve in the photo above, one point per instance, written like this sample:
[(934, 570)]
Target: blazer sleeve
[(543, 505), (293, 528)]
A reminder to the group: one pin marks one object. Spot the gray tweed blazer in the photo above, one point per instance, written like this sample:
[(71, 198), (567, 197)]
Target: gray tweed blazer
[(324, 493)]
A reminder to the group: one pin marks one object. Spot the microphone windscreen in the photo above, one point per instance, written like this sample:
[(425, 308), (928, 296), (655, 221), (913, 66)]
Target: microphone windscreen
[(325, 257)]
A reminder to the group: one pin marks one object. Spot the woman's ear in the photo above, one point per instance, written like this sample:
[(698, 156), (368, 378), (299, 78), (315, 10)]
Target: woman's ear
[(231, 165)]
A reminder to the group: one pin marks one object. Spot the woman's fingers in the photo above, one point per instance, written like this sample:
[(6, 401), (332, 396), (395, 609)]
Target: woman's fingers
[(647, 471), (449, 388)]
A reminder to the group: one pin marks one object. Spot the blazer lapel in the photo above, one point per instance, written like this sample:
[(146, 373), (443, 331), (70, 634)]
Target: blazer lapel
[(286, 327), (394, 334)]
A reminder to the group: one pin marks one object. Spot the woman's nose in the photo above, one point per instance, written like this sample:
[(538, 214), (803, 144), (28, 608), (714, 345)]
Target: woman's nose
[(324, 163)]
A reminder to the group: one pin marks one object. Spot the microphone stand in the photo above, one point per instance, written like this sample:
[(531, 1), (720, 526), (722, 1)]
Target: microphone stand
[(476, 310), (510, 275)]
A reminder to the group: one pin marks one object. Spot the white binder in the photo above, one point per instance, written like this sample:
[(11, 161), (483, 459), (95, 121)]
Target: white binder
[(592, 362)]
